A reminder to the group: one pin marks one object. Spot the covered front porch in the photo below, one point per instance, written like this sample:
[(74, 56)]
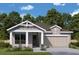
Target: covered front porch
[(26, 39)]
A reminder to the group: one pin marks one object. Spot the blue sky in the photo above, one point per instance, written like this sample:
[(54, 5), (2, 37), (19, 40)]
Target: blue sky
[(37, 9)]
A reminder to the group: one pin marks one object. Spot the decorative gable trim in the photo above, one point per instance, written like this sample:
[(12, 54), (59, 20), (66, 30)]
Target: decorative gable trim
[(55, 26), (27, 24)]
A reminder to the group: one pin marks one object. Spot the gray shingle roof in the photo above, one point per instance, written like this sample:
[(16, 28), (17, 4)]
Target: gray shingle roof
[(43, 25)]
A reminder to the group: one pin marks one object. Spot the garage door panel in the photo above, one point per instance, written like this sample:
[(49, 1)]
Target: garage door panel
[(59, 41)]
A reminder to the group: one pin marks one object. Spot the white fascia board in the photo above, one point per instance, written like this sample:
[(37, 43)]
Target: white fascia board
[(56, 35), (60, 32), (66, 31), (16, 25), (24, 22), (55, 26), (26, 31)]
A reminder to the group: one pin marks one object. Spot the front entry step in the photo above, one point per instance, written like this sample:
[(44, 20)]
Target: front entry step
[(38, 50)]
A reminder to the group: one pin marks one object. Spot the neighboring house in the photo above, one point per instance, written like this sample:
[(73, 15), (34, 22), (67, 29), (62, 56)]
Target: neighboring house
[(28, 34)]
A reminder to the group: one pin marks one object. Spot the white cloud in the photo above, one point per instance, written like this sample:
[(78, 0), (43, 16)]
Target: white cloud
[(75, 12), (59, 4), (28, 7)]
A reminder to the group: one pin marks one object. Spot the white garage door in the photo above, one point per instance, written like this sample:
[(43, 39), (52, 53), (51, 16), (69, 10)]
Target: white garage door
[(59, 41)]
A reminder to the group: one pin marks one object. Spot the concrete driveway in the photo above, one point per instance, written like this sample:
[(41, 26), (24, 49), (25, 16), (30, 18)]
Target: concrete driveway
[(63, 51)]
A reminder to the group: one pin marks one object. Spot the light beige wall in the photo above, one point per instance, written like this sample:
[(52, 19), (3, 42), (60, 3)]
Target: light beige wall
[(55, 30), (57, 41)]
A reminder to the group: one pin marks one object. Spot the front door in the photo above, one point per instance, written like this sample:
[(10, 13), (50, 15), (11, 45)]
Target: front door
[(35, 41)]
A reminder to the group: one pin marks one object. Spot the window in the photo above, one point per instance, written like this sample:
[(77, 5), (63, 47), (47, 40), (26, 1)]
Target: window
[(19, 38), (23, 38)]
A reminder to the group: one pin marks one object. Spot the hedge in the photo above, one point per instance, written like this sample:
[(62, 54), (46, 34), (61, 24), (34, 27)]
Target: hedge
[(4, 45), (76, 44), (19, 49)]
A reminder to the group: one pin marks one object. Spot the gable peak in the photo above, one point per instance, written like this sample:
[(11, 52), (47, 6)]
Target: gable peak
[(55, 26)]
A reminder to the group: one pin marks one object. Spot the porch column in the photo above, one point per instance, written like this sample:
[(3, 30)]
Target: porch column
[(42, 38), (11, 38), (26, 39)]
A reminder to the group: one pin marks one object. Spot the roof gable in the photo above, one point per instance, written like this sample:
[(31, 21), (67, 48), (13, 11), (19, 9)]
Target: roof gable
[(55, 26), (26, 23)]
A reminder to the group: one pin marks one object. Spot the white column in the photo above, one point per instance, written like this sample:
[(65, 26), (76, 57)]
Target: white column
[(42, 38), (11, 38), (26, 39)]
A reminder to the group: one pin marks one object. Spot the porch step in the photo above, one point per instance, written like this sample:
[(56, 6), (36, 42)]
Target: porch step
[(38, 50)]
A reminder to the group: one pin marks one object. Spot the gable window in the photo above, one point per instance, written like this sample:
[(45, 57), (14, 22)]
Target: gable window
[(20, 38)]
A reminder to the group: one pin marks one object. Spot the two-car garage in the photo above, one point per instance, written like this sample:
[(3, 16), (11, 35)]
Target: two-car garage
[(58, 41)]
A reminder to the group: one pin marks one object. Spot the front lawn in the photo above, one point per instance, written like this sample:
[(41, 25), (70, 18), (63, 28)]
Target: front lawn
[(4, 51)]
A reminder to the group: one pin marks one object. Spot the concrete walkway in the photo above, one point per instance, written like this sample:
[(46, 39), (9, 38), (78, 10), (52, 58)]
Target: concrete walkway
[(59, 51), (38, 50)]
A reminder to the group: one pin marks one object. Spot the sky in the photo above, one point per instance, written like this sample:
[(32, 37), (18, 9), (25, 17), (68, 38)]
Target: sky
[(36, 9)]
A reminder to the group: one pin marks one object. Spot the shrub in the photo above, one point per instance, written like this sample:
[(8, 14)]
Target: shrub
[(16, 49), (13, 49), (72, 46), (76, 44), (27, 49), (38, 53), (7, 45), (20, 49), (43, 47), (4, 45)]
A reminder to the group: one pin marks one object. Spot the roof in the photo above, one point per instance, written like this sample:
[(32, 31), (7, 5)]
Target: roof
[(43, 26), (55, 26), (25, 22)]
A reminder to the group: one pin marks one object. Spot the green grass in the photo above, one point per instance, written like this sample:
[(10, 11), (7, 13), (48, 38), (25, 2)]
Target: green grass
[(23, 53), (3, 51)]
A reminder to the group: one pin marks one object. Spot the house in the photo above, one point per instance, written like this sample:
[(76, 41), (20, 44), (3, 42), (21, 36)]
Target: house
[(28, 34)]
